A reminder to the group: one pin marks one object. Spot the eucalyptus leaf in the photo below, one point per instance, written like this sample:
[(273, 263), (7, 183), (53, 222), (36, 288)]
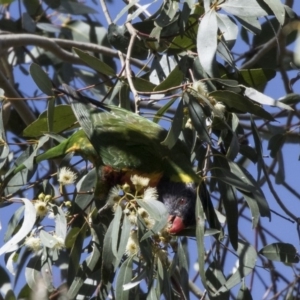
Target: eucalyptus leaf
[(95, 63), (174, 78), (32, 271), (200, 223), (176, 127), (247, 260), (63, 118), (264, 99), (215, 279), (244, 293), (243, 8), (283, 252), (41, 79), (197, 116), (275, 143), (86, 186), (207, 47), (124, 276), (25, 229)]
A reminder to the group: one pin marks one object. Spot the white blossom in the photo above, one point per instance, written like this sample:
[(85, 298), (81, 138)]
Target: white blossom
[(149, 222), (66, 176), (219, 110), (114, 195), (59, 242), (142, 212), (139, 182), (41, 208), (200, 87), (33, 243), (150, 194), (132, 247)]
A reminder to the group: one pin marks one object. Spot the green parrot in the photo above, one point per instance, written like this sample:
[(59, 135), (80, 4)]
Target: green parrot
[(123, 144), (129, 144)]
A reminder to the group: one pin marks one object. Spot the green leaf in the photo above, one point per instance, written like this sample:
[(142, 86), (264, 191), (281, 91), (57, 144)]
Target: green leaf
[(215, 279), (228, 194), (243, 8), (108, 257), (75, 254), (125, 233), (75, 8), (156, 211), (6, 1), (283, 252), (29, 162), (264, 99), (116, 229), (60, 222), (13, 223), (48, 27), (63, 119), (71, 237), (145, 246), (143, 85), (258, 148), (4, 148), (231, 208), (124, 276), (209, 210), (232, 179), (5, 284), (124, 10), (244, 293), (247, 259), (290, 99), (41, 79), (47, 239), (32, 271), (85, 187), (238, 102), (95, 63), (47, 275), (278, 9), (26, 227), (167, 13), (257, 77), (91, 261), (197, 116), (257, 192), (183, 269), (161, 112), (176, 127), (200, 225), (164, 284), (25, 292), (207, 47), (229, 29), (174, 78), (275, 143)]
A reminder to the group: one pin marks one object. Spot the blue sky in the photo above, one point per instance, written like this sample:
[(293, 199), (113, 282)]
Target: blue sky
[(285, 230)]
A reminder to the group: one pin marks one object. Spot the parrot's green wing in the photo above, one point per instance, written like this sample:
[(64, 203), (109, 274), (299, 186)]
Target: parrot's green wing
[(125, 140)]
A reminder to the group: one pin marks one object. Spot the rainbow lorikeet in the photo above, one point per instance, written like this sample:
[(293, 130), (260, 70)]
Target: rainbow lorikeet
[(128, 144)]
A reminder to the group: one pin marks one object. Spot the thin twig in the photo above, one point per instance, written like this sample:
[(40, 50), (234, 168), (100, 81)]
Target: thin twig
[(128, 70), (105, 12)]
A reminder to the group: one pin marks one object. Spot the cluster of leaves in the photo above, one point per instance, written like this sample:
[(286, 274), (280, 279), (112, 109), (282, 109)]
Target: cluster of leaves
[(192, 74)]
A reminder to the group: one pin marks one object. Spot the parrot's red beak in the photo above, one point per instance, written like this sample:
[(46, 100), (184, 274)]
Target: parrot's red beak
[(175, 224)]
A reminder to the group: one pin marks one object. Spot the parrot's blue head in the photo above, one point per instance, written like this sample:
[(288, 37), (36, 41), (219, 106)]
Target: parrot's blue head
[(179, 199)]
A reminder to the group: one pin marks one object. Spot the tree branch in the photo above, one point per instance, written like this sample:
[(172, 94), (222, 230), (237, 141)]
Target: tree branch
[(56, 46)]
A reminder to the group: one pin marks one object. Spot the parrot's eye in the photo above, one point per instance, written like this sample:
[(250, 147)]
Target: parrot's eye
[(182, 201)]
